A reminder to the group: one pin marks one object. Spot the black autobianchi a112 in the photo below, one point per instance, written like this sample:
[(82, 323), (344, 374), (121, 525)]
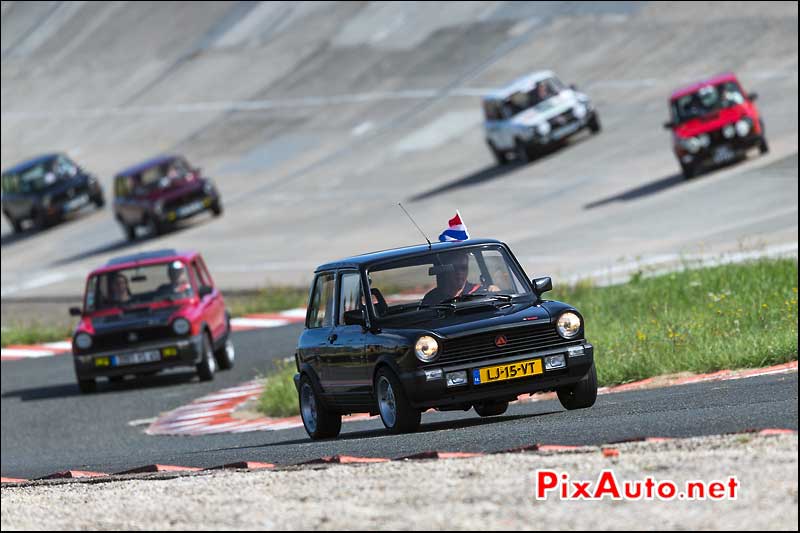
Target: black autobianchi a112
[(447, 326)]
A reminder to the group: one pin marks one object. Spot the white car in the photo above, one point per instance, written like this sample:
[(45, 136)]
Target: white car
[(532, 113)]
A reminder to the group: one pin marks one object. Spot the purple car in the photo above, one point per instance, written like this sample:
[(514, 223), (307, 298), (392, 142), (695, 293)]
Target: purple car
[(160, 192)]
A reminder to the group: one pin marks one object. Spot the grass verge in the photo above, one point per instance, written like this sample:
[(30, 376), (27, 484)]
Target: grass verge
[(732, 316), (267, 300), (32, 334)]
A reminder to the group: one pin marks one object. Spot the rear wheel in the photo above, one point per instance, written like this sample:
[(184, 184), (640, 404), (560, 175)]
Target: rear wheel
[(491, 408), (216, 208), (40, 220), (16, 224), (208, 364), (581, 394), (99, 201), (130, 232), (524, 155), (320, 423), (87, 386), (225, 355), (396, 411)]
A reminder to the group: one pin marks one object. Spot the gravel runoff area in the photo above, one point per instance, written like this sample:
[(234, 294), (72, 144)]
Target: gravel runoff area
[(488, 492)]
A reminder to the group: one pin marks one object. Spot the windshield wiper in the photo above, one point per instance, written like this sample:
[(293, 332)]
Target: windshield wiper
[(483, 296)]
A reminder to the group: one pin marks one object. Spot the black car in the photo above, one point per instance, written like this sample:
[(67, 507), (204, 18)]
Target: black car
[(161, 191), (447, 326), (46, 189)]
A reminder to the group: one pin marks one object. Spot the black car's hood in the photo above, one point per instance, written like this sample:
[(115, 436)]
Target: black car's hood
[(467, 319), (134, 319), (65, 184)]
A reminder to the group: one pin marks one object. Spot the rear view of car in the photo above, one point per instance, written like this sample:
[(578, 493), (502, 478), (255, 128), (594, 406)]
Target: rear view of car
[(714, 122), (148, 312), (159, 193), (47, 189), (533, 114)]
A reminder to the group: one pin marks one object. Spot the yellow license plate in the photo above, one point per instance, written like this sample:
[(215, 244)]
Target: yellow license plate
[(169, 352), (521, 369), (102, 361)]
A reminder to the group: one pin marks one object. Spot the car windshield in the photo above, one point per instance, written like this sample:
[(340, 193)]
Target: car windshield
[(164, 175), (139, 285), (39, 176), (444, 279), (539, 96), (706, 100)]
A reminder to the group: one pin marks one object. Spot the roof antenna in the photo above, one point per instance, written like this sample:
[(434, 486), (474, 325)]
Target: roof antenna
[(415, 224)]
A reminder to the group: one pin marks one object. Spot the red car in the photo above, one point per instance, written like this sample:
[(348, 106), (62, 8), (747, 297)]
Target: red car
[(147, 312), (713, 122)]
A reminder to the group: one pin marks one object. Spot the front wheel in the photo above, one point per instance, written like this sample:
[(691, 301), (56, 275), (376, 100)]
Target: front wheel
[(396, 411), (87, 386), (499, 155), (594, 124), (320, 423), (130, 232), (207, 366), (99, 201), (763, 147), (524, 155), (581, 394), (689, 171), (225, 355), (16, 224), (216, 208)]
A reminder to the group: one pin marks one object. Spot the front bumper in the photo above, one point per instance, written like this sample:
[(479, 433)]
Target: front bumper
[(189, 209), (719, 152), (83, 195), (424, 393), (561, 132), (173, 352)]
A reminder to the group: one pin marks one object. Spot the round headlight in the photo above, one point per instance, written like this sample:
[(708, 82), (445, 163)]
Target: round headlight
[(568, 325), (704, 140), (181, 326), (579, 111), (83, 341), (426, 349), (728, 131), (692, 144), (742, 128), (158, 208), (543, 128)]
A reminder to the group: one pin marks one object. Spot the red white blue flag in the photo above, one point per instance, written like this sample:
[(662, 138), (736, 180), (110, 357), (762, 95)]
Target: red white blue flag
[(457, 230)]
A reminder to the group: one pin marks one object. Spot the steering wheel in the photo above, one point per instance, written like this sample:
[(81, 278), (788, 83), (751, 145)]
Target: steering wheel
[(381, 308)]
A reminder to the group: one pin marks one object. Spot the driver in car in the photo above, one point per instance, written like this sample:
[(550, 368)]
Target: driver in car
[(452, 282), (178, 281)]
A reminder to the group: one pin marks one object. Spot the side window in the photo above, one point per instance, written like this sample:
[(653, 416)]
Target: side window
[(320, 309), (349, 294), (91, 291), (122, 186), (204, 277)]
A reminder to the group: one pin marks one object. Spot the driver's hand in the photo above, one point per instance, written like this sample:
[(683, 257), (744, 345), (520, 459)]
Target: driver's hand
[(493, 288)]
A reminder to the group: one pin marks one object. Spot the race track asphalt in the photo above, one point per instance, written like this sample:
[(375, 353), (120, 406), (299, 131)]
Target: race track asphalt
[(48, 426)]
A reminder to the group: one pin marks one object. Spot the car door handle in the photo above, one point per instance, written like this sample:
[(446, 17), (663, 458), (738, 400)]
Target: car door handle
[(332, 337)]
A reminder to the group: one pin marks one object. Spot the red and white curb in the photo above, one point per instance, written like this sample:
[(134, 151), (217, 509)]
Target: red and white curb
[(214, 413), (245, 323), (609, 450)]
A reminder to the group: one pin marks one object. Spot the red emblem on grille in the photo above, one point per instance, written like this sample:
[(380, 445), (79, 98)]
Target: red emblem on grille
[(500, 341)]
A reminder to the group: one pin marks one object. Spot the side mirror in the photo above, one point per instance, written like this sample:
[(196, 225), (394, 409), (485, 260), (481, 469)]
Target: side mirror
[(752, 97), (355, 317), (205, 290), (668, 125), (75, 311), (542, 285)]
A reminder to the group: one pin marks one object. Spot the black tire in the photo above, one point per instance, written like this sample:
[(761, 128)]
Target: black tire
[(581, 394), (207, 366), (524, 155), (16, 224), (87, 386), (225, 355), (40, 220), (99, 201), (397, 414), (320, 423), (491, 408), (499, 155), (130, 232), (763, 147), (689, 171), (594, 124), (155, 228), (216, 208)]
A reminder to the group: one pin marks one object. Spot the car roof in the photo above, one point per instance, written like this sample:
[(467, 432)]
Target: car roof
[(371, 258), (28, 163), (688, 89), (145, 258), (144, 165), (525, 83)]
